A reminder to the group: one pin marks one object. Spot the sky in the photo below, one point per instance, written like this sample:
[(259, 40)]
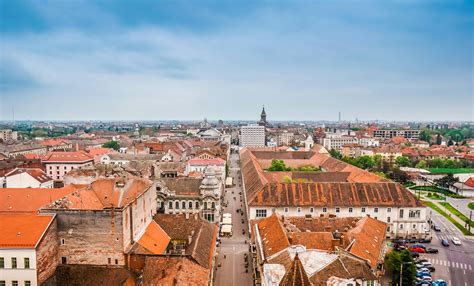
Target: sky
[(189, 60)]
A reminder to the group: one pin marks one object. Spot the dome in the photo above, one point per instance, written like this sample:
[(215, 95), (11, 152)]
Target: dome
[(210, 179)]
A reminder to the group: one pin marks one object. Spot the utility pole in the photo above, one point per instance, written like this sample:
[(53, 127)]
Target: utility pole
[(470, 219)]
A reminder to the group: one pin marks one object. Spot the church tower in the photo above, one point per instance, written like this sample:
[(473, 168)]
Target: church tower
[(263, 118)]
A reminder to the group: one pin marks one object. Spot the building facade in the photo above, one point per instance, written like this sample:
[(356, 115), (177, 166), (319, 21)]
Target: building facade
[(252, 136), (58, 164)]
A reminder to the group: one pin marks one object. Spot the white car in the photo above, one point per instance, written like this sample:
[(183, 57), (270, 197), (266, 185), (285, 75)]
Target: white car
[(456, 241)]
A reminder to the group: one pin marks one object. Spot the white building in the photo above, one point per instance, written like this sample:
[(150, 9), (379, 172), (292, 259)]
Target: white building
[(28, 178), (8, 134), (252, 136), (285, 138), (200, 165), (58, 164), (28, 248), (336, 142)]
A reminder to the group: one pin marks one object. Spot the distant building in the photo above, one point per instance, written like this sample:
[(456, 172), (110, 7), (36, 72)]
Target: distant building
[(286, 138), (252, 136), (8, 134), (58, 164), (390, 133), (263, 118), (197, 165)]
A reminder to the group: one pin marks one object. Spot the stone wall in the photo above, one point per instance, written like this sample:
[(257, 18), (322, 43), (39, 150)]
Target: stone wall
[(91, 237), (47, 254)]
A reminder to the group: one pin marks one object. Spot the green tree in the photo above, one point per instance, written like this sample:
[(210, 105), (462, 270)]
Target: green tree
[(447, 181), (336, 154), (112, 144), (422, 164), (403, 161), (399, 176), (425, 135), (378, 162), (365, 162), (277, 166), (394, 261), (438, 139)]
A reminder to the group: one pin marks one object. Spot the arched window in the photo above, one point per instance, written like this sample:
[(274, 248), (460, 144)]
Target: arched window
[(190, 205), (197, 205), (205, 205), (177, 205), (213, 205), (170, 204), (183, 204)]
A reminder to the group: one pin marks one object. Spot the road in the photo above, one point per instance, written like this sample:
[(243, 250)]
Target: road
[(232, 269), (461, 205), (454, 264)]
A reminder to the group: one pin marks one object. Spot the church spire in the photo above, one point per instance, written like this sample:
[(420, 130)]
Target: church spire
[(295, 275), (263, 117)]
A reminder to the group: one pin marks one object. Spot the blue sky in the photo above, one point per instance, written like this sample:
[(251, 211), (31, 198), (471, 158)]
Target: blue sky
[(303, 60)]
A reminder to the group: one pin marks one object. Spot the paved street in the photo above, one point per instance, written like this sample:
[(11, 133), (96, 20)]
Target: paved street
[(232, 269), (454, 264), (461, 205)]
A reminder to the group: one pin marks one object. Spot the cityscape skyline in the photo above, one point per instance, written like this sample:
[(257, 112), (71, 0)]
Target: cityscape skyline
[(189, 61)]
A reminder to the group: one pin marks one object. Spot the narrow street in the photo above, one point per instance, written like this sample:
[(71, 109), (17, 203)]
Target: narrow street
[(232, 270)]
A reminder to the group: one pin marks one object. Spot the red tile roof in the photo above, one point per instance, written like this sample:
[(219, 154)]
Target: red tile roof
[(23, 230), (273, 235), (207, 162), (154, 239), (63, 157), (31, 199), (53, 142), (470, 182)]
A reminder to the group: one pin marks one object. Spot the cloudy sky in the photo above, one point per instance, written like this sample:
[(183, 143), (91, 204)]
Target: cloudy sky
[(303, 60)]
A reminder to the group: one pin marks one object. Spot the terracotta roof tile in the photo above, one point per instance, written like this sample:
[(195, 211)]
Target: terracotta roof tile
[(154, 239), (23, 230), (273, 235), (78, 156)]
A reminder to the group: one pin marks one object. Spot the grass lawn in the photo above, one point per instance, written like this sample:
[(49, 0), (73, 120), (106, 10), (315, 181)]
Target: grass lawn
[(457, 213), (451, 171), (471, 206), (437, 190), (409, 184), (457, 224), (435, 196)]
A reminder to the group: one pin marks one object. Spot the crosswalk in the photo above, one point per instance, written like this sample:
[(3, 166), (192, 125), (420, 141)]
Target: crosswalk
[(450, 264), (441, 236)]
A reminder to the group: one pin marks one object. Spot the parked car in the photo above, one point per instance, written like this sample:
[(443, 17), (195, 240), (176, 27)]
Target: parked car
[(423, 274), (418, 246), (417, 249), (415, 254), (456, 241), (423, 283), (412, 240), (424, 240), (421, 260), (445, 242), (424, 278), (431, 250), (436, 228), (424, 264), (440, 282)]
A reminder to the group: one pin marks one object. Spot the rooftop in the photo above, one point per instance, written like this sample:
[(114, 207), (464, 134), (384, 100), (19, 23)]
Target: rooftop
[(24, 230), (59, 157)]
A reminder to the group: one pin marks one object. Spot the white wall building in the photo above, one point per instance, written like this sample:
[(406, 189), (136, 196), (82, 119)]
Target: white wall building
[(28, 178), (252, 136)]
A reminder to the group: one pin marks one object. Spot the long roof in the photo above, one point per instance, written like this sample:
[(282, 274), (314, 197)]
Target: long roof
[(67, 157)]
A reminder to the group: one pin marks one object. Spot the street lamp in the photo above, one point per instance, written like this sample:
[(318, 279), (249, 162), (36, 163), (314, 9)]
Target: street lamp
[(401, 271)]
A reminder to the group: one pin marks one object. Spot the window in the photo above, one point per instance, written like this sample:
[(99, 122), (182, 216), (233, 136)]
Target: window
[(2, 262), (183, 205), (261, 213), (401, 213), (389, 210), (2, 282), (27, 262), (414, 214), (325, 210), (298, 210), (362, 210), (338, 210), (388, 219), (388, 228), (116, 261), (170, 205), (205, 205), (286, 210), (190, 205), (63, 241), (375, 217), (376, 210), (213, 205), (27, 283), (109, 260), (197, 205), (311, 210), (14, 262), (350, 210), (401, 226), (63, 260), (414, 226), (176, 205), (14, 283)]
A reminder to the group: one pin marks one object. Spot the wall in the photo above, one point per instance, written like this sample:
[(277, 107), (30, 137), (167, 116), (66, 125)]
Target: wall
[(90, 237), (22, 180), (19, 274), (47, 258), (382, 214), (58, 170)]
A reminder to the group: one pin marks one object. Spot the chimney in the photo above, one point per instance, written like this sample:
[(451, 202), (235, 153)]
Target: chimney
[(190, 239)]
